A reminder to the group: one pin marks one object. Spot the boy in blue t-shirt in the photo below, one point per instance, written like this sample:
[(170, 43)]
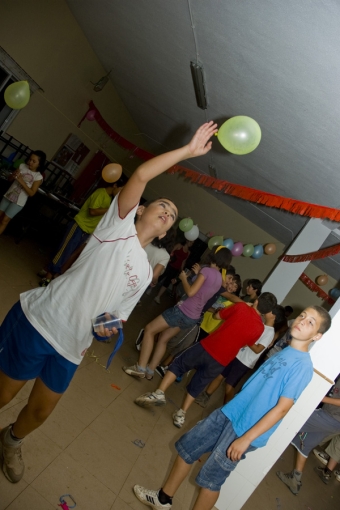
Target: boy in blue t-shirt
[(247, 421)]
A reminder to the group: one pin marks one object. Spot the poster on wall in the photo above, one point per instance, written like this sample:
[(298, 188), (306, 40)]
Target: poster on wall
[(71, 154)]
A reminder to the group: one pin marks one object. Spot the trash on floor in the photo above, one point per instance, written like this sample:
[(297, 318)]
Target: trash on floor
[(115, 386), (139, 443), (63, 504)]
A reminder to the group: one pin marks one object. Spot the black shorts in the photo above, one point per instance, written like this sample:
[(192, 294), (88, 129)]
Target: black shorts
[(234, 372), (195, 357), (169, 274)]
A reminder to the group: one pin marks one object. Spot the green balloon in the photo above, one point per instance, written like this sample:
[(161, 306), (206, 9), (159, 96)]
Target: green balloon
[(186, 224), (215, 241), (17, 95), (18, 162), (248, 250), (239, 135)]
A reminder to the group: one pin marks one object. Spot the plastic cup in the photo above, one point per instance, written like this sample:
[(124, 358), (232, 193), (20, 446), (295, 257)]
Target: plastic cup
[(103, 322)]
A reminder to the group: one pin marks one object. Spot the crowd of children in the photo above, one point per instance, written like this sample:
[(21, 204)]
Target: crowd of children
[(212, 330)]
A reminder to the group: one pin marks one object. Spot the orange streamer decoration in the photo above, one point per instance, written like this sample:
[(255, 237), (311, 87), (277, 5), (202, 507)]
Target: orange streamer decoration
[(243, 192), (315, 288), (315, 255)]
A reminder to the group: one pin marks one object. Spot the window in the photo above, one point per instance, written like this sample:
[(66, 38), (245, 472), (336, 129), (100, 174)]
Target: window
[(10, 72)]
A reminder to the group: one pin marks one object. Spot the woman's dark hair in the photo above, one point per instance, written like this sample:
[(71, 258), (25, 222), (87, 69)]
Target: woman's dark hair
[(237, 279), (149, 202), (256, 284), (42, 159), (221, 258), (266, 302), (167, 242)]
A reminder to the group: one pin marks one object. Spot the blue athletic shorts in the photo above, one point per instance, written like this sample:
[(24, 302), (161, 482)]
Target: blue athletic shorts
[(213, 434), (207, 368), (175, 318), (25, 354), (9, 208)]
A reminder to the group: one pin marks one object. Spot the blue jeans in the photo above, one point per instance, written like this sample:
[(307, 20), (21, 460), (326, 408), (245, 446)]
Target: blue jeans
[(174, 317), (213, 434)]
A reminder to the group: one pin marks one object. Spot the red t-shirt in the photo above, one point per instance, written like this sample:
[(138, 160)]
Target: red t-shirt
[(242, 326)]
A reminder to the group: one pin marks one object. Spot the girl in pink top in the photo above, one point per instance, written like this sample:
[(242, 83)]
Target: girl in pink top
[(185, 314)]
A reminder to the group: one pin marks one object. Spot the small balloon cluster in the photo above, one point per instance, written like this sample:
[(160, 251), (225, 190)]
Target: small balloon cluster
[(191, 231), (323, 280), (238, 248)]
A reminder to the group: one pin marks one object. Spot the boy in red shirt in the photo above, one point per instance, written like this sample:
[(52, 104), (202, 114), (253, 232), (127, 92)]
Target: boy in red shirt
[(242, 326)]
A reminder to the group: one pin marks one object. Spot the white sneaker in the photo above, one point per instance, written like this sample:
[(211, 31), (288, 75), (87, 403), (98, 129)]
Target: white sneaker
[(179, 418), (321, 456), (157, 300), (150, 498), (337, 474), (135, 371), (156, 398)]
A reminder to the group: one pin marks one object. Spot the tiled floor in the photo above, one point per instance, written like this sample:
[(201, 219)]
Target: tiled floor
[(86, 448)]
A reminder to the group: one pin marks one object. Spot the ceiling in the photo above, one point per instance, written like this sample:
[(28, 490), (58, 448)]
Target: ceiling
[(276, 62)]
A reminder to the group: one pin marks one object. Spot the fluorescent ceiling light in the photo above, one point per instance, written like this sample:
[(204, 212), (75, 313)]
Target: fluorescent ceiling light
[(199, 86)]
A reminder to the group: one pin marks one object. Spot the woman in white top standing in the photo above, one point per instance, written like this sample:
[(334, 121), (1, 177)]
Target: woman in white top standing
[(27, 180), (158, 252)]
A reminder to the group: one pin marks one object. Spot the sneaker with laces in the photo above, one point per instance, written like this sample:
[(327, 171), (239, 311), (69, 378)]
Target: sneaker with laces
[(202, 399), (321, 456), (161, 371), (135, 371), (325, 476), (139, 340), (12, 464), (150, 498), (179, 418), (289, 479), (156, 398), (157, 300), (337, 474)]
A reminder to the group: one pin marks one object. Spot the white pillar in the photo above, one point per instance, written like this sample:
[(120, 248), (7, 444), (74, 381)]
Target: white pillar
[(285, 274), (326, 360)]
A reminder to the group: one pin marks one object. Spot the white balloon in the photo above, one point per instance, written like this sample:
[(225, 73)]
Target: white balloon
[(192, 234)]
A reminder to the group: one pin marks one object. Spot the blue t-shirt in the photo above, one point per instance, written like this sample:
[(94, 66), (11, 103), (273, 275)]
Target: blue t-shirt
[(286, 374)]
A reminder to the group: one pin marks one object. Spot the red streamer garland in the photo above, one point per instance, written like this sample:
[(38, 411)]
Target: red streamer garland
[(315, 288), (235, 190), (315, 255)]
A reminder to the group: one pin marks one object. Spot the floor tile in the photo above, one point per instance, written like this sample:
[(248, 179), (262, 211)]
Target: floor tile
[(9, 491), (66, 476), (30, 499), (62, 426), (101, 460), (38, 452)]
